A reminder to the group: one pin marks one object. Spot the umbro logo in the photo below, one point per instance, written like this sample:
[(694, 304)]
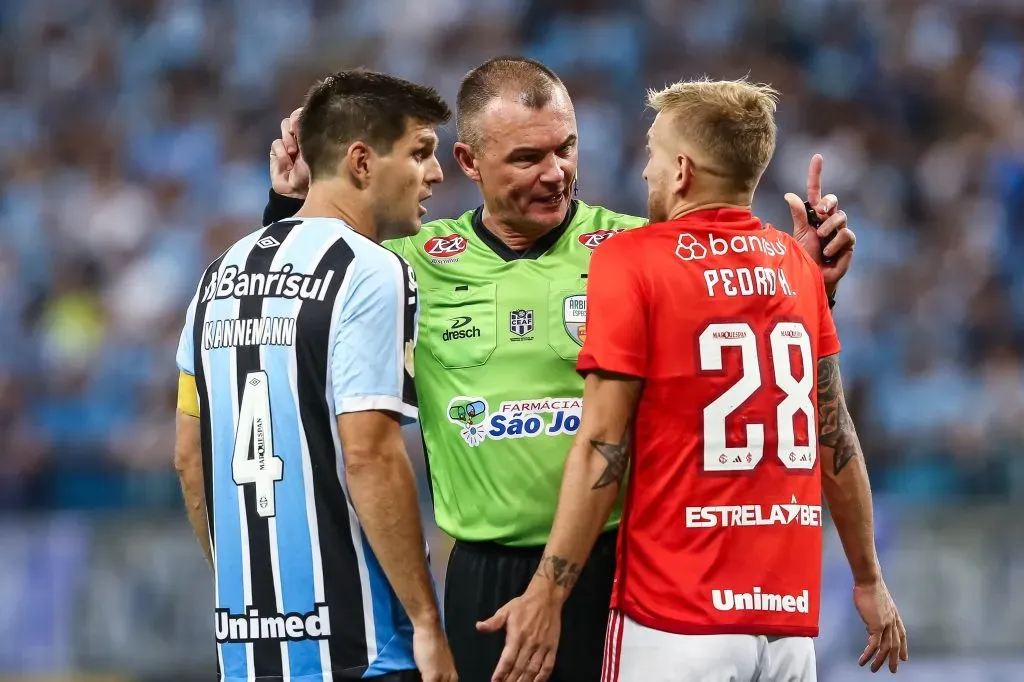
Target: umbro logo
[(268, 242)]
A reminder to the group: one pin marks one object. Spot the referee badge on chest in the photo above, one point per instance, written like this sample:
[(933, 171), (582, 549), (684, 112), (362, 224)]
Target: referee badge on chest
[(574, 315), (520, 323)]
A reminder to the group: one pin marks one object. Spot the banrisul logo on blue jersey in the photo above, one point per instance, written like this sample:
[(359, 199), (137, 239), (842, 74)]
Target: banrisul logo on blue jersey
[(514, 418)]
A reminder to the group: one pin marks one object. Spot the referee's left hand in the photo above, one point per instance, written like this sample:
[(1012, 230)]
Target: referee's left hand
[(533, 623)]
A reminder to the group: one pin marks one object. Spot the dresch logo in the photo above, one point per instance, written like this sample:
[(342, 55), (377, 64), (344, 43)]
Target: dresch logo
[(460, 329)]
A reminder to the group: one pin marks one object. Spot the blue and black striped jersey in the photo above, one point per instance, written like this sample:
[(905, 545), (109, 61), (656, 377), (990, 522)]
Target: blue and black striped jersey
[(291, 326)]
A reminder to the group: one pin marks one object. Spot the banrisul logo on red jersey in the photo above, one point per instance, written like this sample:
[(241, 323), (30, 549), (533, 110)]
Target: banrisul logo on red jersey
[(591, 240), (444, 250)]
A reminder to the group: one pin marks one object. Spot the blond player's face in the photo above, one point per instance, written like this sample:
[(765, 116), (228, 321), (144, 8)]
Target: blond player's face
[(661, 171), (404, 179), (528, 160)]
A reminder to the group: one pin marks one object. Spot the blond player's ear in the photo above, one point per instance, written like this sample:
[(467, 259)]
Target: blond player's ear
[(684, 173)]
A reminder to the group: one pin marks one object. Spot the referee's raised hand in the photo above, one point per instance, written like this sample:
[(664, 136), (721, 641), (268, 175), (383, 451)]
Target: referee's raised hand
[(289, 174)]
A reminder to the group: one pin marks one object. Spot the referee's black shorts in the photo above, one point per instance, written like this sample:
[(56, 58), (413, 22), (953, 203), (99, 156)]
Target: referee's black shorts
[(482, 577)]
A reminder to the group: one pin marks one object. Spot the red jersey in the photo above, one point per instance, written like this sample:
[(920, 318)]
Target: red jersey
[(725, 319)]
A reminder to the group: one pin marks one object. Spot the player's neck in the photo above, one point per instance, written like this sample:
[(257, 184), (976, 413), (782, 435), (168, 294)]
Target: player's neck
[(332, 202), (515, 237), (687, 206)]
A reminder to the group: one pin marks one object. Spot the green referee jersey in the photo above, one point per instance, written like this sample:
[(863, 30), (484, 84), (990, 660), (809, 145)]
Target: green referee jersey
[(495, 368)]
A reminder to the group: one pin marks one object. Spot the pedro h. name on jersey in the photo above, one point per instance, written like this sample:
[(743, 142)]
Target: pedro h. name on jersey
[(753, 280), (290, 327)]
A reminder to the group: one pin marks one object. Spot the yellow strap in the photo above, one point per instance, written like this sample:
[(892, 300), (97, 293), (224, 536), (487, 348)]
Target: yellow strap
[(188, 396)]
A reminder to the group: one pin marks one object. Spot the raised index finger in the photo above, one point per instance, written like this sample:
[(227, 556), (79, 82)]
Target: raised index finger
[(814, 180)]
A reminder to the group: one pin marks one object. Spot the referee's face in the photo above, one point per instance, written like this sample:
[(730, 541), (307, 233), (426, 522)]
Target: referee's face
[(403, 181), (526, 164)]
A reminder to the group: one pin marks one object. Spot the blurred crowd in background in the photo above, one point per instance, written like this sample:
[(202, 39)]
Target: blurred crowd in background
[(135, 145)]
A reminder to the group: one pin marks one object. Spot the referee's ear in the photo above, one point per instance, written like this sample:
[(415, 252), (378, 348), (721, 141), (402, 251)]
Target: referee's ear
[(466, 159)]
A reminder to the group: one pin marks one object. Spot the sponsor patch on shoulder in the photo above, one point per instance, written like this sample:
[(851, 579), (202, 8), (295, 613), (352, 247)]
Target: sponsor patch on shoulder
[(444, 250), (591, 240)]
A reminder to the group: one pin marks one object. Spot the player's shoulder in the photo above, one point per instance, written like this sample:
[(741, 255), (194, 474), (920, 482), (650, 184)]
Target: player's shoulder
[(628, 240), (364, 256), (593, 225)]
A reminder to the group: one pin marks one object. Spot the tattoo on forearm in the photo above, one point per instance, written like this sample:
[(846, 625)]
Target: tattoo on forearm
[(835, 426), (617, 456), (558, 570)]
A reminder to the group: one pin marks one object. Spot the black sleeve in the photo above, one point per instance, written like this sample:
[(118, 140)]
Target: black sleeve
[(280, 207)]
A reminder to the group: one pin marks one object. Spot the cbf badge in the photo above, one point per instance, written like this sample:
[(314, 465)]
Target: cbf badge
[(574, 314)]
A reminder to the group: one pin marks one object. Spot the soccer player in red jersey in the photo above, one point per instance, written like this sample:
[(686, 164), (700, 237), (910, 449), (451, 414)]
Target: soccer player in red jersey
[(712, 371)]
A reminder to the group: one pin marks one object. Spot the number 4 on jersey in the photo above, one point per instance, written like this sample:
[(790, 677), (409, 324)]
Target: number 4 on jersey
[(713, 340), (264, 469)]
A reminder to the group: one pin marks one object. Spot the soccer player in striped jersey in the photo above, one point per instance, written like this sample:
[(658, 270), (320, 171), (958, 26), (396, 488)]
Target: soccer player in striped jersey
[(296, 375)]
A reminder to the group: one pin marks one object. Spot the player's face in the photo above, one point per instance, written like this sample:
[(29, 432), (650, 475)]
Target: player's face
[(403, 180), (526, 165), (664, 171)]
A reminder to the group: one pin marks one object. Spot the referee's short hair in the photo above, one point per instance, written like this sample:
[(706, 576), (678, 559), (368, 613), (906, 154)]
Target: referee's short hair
[(531, 83), (358, 104)]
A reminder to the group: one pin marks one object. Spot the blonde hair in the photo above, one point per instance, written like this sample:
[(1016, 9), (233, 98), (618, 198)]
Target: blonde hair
[(732, 122)]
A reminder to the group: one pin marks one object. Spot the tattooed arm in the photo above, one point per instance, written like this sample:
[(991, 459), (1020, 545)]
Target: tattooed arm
[(590, 484), (844, 478), (594, 469)]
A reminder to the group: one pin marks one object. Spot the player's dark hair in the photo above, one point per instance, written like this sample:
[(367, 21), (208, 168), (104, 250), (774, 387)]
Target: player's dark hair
[(532, 83), (362, 105)]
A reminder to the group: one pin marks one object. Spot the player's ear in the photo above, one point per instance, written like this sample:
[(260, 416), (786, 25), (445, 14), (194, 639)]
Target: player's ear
[(359, 163), (466, 158), (684, 174)]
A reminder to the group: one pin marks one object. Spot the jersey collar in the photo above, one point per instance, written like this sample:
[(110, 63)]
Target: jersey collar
[(539, 247), (730, 216)]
